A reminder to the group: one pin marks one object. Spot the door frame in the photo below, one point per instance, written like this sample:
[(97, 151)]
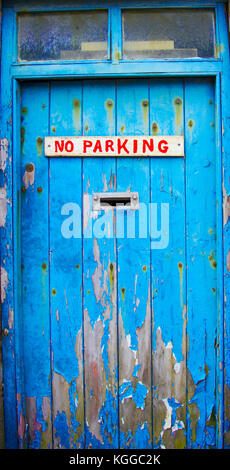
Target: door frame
[(11, 75)]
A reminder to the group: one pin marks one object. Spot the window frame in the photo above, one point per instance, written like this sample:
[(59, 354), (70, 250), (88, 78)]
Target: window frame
[(115, 38), (20, 61), (188, 7)]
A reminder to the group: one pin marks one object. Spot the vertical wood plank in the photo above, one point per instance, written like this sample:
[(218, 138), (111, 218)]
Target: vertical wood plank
[(228, 15), (66, 271), (201, 255), (168, 272), (134, 276), (35, 332), (6, 236), (99, 287), (223, 338), (17, 319), (2, 149)]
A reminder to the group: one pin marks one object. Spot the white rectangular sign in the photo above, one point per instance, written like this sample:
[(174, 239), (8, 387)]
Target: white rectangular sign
[(122, 146)]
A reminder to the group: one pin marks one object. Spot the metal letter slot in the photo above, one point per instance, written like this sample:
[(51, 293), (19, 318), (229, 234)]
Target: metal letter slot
[(125, 200)]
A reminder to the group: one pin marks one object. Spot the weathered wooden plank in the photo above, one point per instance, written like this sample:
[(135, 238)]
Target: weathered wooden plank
[(168, 272), (229, 15), (201, 260), (35, 334), (223, 338), (2, 439), (7, 242), (134, 276), (3, 156), (100, 278), (66, 272)]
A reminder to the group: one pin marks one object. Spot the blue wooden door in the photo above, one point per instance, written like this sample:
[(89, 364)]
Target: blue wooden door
[(118, 327)]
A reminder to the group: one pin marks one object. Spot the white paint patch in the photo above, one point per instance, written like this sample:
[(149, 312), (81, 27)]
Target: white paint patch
[(228, 261), (105, 183), (10, 318), (226, 206), (4, 284), (177, 367), (28, 178), (86, 205), (4, 144), (168, 418), (128, 340), (178, 425), (3, 206)]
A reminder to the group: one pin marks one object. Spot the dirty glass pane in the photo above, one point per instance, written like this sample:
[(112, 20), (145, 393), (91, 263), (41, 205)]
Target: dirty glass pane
[(63, 35), (168, 33)]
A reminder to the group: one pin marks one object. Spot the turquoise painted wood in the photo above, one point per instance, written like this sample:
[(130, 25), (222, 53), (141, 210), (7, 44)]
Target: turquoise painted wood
[(134, 311), (7, 250), (99, 275), (201, 253), (36, 346), (119, 333), (169, 271), (66, 274), (224, 281)]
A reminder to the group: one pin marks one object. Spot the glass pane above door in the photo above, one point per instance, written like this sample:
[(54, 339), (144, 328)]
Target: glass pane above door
[(168, 33), (80, 35)]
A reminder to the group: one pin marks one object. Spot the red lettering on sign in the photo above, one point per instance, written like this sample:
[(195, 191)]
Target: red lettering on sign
[(149, 144), (122, 146), (59, 146), (109, 145), (135, 143), (163, 146), (69, 146), (87, 144), (97, 146)]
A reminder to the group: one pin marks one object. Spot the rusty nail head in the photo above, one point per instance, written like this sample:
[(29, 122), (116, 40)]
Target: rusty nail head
[(29, 167)]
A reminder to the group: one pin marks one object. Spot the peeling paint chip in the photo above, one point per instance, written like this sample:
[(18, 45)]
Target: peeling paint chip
[(4, 144), (4, 284)]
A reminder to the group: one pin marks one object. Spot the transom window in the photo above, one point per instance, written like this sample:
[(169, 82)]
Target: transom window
[(146, 33), (168, 33), (81, 35)]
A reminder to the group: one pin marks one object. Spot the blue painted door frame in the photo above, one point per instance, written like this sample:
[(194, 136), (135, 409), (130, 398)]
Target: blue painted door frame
[(11, 75)]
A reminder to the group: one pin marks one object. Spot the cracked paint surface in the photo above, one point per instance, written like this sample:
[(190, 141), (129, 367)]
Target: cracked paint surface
[(116, 338)]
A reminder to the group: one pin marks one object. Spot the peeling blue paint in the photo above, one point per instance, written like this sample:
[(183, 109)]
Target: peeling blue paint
[(108, 420), (135, 370), (137, 393), (61, 430), (104, 346), (142, 437)]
